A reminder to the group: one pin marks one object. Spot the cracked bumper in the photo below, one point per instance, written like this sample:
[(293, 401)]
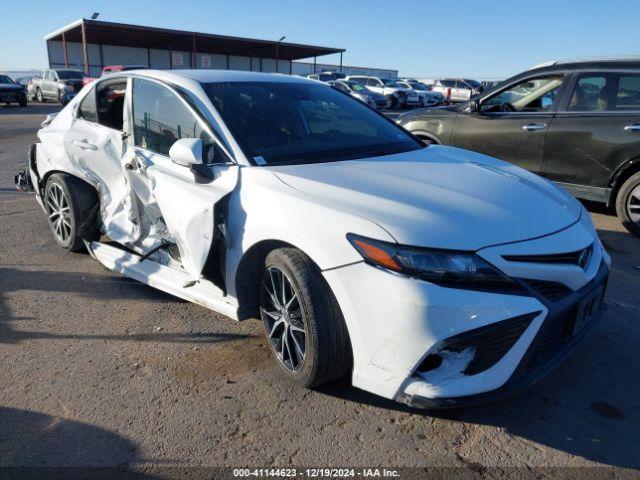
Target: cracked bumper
[(394, 322)]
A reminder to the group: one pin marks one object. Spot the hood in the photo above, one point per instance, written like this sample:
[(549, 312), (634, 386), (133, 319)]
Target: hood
[(10, 86), (439, 197)]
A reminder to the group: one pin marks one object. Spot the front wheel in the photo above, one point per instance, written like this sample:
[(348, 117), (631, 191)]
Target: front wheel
[(303, 323), (39, 96), (628, 204)]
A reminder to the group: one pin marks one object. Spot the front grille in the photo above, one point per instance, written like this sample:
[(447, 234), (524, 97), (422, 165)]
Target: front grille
[(580, 257), (490, 342), (555, 335), (552, 291)]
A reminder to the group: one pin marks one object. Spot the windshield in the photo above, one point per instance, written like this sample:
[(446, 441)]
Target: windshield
[(472, 83), (392, 83), (419, 86), (69, 74), (356, 87), (5, 79), (284, 123)]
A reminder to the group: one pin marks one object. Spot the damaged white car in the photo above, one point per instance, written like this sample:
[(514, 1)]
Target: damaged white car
[(432, 275)]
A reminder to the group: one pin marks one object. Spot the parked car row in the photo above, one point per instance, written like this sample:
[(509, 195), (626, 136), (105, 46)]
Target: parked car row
[(399, 93), (576, 123), (58, 84)]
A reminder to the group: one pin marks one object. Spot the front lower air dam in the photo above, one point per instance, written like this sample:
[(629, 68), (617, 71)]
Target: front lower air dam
[(466, 354)]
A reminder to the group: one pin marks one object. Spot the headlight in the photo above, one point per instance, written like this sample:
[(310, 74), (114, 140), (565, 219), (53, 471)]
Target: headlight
[(443, 267)]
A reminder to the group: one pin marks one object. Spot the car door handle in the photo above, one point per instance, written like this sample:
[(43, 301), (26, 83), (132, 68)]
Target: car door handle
[(634, 127), (534, 127), (84, 145)]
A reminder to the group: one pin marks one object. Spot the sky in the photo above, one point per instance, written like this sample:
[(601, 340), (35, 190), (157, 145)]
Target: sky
[(481, 39)]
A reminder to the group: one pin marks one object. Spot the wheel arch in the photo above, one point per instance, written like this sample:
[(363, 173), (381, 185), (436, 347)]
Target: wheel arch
[(422, 135), (248, 274), (49, 173), (622, 174)]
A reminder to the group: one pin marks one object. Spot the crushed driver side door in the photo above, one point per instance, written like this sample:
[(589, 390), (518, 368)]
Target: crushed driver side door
[(177, 204)]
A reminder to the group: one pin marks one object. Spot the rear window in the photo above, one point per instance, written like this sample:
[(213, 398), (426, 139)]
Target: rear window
[(278, 123)]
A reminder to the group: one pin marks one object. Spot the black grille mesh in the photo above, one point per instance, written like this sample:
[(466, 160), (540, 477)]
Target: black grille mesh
[(490, 342), (552, 291)]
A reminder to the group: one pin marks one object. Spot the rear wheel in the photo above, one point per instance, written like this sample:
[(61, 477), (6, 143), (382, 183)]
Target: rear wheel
[(628, 204), (72, 208), (303, 323)]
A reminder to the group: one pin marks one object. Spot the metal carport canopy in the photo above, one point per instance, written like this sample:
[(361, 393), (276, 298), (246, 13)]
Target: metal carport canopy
[(121, 34)]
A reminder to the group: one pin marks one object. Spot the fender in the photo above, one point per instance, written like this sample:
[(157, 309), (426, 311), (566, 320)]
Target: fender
[(621, 174)]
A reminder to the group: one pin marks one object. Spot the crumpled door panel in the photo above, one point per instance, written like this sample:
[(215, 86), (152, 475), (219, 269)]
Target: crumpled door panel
[(188, 209)]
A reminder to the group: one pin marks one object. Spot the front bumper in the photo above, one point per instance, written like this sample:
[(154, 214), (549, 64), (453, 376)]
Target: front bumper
[(396, 322), (12, 96), (554, 342)]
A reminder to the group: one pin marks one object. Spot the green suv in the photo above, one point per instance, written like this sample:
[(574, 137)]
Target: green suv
[(576, 123)]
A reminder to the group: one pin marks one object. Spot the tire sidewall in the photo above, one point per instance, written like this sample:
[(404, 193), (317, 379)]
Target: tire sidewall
[(308, 310), (622, 200), (59, 180)]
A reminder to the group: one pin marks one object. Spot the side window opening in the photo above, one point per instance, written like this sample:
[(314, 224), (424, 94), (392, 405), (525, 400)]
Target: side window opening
[(606, 92), (109, 98), (531, 95), (160, 118), (87, 108)]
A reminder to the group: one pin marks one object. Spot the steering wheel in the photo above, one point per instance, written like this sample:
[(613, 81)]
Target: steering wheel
[(507, 107)]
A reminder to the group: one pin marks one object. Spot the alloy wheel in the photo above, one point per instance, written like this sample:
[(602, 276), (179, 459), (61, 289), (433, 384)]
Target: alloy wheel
[(633, 205), (59, 213), (282, 317)]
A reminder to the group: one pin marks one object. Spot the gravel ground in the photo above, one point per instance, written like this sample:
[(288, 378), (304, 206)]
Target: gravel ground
[(98, 370)]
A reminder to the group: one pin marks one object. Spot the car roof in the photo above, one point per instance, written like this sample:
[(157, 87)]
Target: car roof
[(208, 76), (596, 62)]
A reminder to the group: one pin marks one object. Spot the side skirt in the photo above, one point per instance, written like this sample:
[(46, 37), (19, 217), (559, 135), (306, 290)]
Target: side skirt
[(167, 279), (597, 194)]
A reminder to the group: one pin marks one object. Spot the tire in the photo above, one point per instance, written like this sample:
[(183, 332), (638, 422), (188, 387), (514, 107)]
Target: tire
[(327, 350), (40, 96), (628, 204), (72, 211), (392, 101), (23, 103)]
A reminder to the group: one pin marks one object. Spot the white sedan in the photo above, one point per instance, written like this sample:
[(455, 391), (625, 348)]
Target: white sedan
[(430, 275)]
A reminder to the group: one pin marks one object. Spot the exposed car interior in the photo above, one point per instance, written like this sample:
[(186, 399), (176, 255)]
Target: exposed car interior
[(110, 103)]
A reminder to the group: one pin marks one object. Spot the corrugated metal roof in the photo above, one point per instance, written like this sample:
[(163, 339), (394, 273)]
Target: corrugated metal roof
[(109, 33)]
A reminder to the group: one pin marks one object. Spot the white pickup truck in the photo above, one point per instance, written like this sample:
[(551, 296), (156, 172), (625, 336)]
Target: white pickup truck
[(58, 84)]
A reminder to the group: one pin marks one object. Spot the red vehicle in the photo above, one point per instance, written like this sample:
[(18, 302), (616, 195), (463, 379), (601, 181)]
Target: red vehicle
[(114, 68)]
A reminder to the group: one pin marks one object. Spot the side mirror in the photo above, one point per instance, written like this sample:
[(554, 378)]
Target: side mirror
[(186, 152)]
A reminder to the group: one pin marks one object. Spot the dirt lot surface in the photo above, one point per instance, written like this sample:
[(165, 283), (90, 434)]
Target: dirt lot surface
[(98, 370)]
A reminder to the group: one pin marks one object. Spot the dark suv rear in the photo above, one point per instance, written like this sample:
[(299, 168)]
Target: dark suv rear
[(576, 123)]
